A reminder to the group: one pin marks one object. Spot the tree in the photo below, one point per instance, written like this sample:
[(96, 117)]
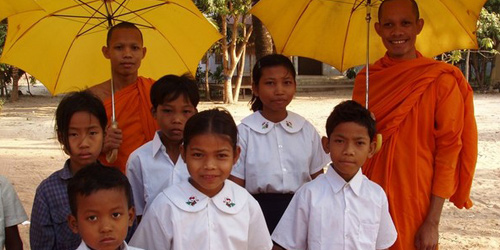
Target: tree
[(8, 74), (262, 38), (232, 16)]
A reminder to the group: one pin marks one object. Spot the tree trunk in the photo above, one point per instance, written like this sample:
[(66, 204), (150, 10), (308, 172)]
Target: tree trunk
[(207, 86), (495, 70), (262, 37), (14, 94), (241, 68)]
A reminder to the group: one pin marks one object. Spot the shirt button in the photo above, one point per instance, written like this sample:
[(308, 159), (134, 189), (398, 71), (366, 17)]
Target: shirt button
[(280, 146), (284, 169)]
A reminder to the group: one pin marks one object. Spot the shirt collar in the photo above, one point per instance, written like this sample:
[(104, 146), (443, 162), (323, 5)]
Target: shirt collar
[(293, 123), (337, 182), (157, 144), (84, 246), (65, 173), (231, 199)]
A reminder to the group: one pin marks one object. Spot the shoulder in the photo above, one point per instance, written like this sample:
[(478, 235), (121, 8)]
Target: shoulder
[(144, 150), (373, 188), (102, 90)]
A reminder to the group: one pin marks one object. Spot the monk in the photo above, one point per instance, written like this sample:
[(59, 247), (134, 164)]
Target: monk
[(136, 125), (424, 111)]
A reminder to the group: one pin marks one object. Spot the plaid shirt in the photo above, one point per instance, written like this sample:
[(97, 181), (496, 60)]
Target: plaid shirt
[(49, 227)]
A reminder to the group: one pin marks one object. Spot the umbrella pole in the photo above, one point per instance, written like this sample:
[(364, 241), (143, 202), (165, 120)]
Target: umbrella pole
[(113, 154), (368, 18)]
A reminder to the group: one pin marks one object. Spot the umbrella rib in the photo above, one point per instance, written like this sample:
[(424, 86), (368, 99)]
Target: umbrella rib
[(346, 35), (94, 9), (295, 25)]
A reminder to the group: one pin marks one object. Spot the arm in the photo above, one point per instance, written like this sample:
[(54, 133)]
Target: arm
[(12, 239), (134, 175), (428, 234)]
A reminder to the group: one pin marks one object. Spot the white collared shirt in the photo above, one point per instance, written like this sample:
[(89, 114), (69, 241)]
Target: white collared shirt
[(11, 210), (123, 246), (150, 170), (278, 157), (181, 217), (329, 213)]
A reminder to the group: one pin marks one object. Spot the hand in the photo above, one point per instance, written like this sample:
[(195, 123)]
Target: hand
[(112, 140), (427, 236)]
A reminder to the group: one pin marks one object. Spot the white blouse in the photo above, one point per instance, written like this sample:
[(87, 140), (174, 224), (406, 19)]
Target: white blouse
[(329, 213), (181, 217), (150, 170), (278, 157)]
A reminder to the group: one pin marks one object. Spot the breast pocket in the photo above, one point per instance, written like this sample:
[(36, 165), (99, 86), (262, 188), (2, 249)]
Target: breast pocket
[(368, 235)]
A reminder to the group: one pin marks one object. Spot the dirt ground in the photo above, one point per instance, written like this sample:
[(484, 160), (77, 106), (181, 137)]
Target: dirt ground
[(29, 152)]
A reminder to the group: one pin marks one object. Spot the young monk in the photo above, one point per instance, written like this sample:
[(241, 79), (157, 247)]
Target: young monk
[(136, 126), (424, 111)]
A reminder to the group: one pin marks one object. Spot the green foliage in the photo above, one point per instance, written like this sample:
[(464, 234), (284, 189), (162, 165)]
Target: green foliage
[(493, 6), (488, 30)]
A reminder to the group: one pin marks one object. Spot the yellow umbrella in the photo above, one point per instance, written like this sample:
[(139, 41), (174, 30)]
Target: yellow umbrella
[(10, 7), (61, 44), (335, 31)]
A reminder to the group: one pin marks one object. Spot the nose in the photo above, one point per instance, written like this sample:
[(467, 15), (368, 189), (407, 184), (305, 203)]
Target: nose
[(279, 90), (127, 52), (349, 149), (397, 30), (105, 226), (209, 163), (85, 142), (177, 118)]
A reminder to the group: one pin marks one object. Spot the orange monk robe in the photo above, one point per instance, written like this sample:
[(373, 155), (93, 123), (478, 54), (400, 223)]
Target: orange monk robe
[(134, 117), (424, 111)]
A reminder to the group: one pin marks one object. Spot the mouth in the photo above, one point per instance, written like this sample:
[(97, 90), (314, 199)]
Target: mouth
[(108, 240), (209, 177), (127, 65), (176, 131), (85, 156), (399, 42)]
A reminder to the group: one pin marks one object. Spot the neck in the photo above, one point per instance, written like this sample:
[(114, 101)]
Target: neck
[(172, 148), (274, 116), (122, 81)]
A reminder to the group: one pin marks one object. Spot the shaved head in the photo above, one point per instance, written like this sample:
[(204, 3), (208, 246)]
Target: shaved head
[(413, 3)]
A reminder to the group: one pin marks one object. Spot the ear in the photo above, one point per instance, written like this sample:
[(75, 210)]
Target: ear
[(236, 154), (105, 52), (183, 152), (325, 142), (144, 50), (420, 25), (255, 89), (377, 28), (73, 223), (131, 216), (153, 112), (373, 146)]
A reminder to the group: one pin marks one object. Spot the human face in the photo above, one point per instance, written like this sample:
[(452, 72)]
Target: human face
[(172, 116), (349, 147), (85, 139), (276, 88), (209, 159), (398, 28), (103, 225), (125, 51)]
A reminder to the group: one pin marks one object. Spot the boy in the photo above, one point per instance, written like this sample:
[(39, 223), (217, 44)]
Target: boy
[(157, 164), (11, 214), (124, 48), (341, 209), (101, 207)]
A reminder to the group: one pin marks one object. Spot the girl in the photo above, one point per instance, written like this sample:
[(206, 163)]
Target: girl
[(280, 150), (80, 122), (207, 211)]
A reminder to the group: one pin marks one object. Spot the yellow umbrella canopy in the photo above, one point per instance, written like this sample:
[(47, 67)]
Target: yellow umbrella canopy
[(10, 7), (61, 44), (335, 31)]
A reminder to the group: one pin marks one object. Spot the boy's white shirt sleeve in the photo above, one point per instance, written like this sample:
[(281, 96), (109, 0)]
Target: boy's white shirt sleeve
[(13, 212), (154, 231), (387, 233), (134, 175), (292, 230)]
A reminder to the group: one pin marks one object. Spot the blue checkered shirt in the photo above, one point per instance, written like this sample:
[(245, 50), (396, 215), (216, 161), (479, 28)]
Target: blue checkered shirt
[(49, 227)]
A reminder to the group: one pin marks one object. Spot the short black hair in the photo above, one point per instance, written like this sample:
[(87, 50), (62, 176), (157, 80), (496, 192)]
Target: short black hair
[(212, 121), (350, 111), (95, 177), (170, 87), (267, 61), (413, 2), (122, 25), (75, 102)]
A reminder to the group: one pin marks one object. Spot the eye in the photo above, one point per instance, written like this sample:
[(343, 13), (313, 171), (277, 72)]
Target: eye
[(197, 155), (135, 47), (387, 25), (92, 218), (166, 111), (338, 141), (288, 82), (222, 155), (361, 143), (269, 83), (116, 215), (72, 134), (94, 132), (187, 111)]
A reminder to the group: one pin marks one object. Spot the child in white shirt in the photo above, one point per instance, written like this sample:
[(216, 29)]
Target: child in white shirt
[(157, 164), (11, 214), (341, 209), (208, 211), (100, 200), (280, 150)]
